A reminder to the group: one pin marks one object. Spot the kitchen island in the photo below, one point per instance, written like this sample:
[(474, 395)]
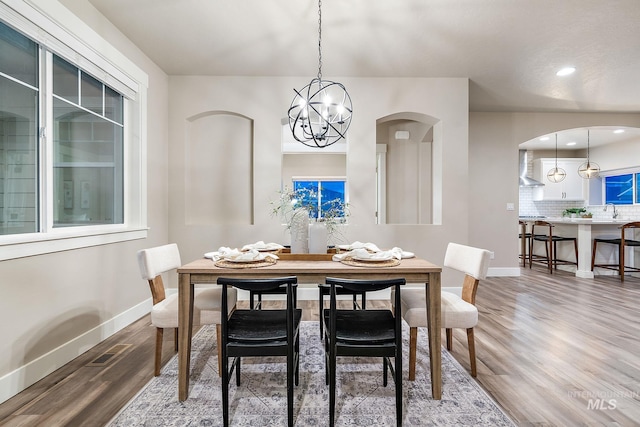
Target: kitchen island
[(585, 229)]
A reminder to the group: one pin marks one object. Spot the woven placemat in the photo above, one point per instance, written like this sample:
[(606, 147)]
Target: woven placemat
[(357, 263), (223, 263)]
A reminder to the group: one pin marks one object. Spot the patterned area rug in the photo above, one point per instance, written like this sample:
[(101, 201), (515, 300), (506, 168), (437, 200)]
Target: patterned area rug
[(261, 398)]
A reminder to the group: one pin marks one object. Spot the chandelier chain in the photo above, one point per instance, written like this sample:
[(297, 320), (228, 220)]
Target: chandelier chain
[(320, 40)]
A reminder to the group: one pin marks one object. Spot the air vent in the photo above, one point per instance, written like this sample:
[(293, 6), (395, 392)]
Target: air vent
[(106, 357)]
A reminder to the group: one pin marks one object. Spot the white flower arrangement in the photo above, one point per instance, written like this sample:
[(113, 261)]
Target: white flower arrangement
[(291, 204)]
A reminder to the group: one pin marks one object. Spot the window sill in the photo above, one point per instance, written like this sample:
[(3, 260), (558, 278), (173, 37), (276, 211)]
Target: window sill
[(20, 246)]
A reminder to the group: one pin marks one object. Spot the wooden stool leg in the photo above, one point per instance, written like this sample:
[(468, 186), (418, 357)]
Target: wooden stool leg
[(449, 334), (621, 262), (593, 254), (413, 344)]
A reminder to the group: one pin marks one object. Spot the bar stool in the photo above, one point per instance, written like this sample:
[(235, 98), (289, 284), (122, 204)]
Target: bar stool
[(622, 243), (524, 242), (551, 247)]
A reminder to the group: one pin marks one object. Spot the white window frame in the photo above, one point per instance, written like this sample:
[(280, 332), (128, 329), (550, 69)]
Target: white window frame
[(55, 28)]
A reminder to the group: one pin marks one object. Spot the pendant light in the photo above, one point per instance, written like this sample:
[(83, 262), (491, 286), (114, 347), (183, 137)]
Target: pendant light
[(320, 112), (556, 174), (589, 169)]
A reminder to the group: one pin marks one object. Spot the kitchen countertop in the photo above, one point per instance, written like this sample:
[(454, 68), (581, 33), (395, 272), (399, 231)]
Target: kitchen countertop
[(584, 229), (577, 221), (566, 220)]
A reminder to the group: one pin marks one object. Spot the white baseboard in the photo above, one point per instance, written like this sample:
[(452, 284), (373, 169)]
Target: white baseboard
[(26, 375)]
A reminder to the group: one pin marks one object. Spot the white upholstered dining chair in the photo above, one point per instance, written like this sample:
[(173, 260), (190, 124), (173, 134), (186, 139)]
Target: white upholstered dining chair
[(153, 262), (457, 311)]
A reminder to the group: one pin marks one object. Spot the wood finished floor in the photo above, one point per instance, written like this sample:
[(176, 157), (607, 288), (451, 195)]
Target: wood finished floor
[(552, 350)]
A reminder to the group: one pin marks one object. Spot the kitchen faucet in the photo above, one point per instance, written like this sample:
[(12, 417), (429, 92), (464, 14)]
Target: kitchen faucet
[(615, 212)]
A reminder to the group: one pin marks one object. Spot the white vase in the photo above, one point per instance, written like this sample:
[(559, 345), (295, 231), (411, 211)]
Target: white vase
[(318, 238), (300, 232)]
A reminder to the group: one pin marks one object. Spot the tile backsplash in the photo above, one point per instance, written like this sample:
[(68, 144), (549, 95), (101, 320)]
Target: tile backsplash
[(553, 209)]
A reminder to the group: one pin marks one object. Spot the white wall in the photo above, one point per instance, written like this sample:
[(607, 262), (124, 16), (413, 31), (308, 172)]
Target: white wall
[(493, 172), (265, 100), (56, 306)]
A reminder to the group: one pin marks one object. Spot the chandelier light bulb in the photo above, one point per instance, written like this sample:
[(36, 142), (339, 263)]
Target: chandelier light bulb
[(589, 169), (556, 174)]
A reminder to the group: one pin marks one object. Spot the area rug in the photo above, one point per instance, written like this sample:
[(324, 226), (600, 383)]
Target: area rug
[(261, 399)]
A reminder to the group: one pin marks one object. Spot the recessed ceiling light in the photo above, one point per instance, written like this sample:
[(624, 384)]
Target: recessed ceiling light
[(571, 143), (544, 138), (565, 71), (618, 131)]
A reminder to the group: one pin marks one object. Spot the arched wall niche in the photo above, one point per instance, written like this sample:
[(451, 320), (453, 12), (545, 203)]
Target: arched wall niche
[(218, 183), (408, 165)]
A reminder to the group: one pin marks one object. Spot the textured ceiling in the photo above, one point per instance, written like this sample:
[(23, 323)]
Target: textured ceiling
[(509, 49)]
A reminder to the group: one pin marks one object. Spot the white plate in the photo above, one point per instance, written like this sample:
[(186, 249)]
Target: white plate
[(357, 258), (406, 254), (245, 261)]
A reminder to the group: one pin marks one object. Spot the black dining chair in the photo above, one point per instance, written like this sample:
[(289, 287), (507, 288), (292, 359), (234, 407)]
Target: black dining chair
[(254, 333), (368, 333), (324, 290)]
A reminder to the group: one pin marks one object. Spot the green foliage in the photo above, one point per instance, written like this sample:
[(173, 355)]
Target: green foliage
[(577, 211)]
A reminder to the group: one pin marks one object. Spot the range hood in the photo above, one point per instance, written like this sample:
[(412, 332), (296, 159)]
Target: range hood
[(525, 181)]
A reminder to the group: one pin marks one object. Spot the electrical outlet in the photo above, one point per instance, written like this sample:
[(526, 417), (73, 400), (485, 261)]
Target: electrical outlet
[(492, 254), (511, 207)]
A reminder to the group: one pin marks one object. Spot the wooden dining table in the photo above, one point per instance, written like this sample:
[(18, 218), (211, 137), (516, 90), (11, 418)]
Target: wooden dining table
[(204, 271)]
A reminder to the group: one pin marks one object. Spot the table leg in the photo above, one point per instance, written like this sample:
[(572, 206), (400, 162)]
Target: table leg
[(185, 326), (434, 323)]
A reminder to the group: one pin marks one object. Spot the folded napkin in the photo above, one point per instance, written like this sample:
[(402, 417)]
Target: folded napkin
[(359, 245), (237, 255), (262, 246), (364, 254)]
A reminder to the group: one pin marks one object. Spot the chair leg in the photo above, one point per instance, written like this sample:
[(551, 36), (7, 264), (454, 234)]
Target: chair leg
[(225, 389), (472, 351), (320, 307), (593, 254), (385, 370), (158, 357), (175, 340), (238, 362), (219, 344), (290, 375), (413, 343), (332, 386), (449, 333), (398, 385)]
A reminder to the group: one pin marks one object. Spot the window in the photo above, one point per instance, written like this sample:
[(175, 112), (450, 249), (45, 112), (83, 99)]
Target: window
[(87, 141), (72, 151), (87, 149), (322, 196), (19, 104), (618, 189)]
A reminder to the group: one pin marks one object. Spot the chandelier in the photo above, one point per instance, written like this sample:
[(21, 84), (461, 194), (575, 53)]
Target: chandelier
[(556, 174), (589, 169), (320, 112)]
